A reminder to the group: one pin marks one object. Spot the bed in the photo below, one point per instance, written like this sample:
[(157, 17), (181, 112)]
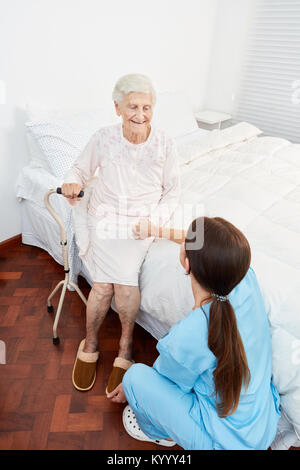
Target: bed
[(237, 173)]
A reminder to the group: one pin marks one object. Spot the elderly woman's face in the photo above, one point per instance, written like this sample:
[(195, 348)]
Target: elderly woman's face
[(136, 111)]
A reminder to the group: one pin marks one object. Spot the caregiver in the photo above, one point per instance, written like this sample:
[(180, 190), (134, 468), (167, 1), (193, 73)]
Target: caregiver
[(138, 178), (211, 386)]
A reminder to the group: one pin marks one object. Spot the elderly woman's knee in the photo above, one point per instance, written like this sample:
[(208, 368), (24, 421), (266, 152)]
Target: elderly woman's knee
[(126, 302), (103, 289), (123, 294), (123, 290)]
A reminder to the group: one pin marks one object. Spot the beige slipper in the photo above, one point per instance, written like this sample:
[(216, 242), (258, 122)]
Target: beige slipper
[(120, 366), (84, 370)]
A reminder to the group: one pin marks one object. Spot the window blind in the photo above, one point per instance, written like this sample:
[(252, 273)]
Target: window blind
[(269, 92)]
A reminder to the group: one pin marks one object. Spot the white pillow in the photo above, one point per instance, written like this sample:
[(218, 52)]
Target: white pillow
[(173, 113), (36, 156), (62, 138)]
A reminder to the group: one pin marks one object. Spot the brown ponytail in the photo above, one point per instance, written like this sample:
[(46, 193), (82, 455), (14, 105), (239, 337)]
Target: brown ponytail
[(232, 368), (219, 266)]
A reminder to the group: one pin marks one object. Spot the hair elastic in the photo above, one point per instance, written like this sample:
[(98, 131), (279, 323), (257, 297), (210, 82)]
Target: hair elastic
[(221, 298)]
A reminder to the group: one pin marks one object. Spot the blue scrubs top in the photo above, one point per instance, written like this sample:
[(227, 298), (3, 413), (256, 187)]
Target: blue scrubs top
[(186, 360)]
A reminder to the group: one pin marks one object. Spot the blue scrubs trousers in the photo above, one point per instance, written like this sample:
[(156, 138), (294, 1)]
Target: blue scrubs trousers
[(162, 408)]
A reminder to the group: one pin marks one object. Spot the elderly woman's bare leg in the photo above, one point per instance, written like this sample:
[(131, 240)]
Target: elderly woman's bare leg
[(98, 304), (127, 301)]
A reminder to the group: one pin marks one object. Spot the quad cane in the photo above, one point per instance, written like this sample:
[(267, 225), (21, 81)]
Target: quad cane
[(65, 282)]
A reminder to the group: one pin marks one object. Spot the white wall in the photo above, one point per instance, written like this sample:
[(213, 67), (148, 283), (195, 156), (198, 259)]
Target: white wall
[(232, 25), (69, 54)]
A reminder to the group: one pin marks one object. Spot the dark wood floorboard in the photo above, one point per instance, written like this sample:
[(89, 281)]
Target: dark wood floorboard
[(39, 407)]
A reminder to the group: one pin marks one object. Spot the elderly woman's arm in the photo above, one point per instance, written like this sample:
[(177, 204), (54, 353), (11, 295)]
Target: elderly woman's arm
[(176, 235), (145, 228), (83, 168)]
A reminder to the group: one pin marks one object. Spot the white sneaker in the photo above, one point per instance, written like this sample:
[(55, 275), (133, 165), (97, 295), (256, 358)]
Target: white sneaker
[(132, 427)]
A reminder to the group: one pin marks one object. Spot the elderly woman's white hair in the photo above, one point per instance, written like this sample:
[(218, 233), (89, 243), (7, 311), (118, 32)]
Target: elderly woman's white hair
[(133, 82)]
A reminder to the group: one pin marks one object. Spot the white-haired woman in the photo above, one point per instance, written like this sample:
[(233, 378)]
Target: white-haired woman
[(138, 179)]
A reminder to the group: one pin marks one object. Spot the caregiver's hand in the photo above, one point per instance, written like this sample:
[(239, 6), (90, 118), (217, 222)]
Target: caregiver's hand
[(70, 191), (117, 395), (144, 229)]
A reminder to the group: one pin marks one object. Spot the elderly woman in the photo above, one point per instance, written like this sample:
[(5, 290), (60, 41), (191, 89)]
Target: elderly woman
[(137, 181)]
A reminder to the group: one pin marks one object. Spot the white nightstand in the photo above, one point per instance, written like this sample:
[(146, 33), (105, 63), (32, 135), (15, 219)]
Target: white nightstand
[(207, 119)]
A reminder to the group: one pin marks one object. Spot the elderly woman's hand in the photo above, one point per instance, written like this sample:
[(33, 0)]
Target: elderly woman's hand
[(144, 229), (70, 191)]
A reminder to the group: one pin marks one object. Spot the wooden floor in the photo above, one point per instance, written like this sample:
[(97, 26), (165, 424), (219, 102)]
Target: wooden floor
[(39, 407)]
